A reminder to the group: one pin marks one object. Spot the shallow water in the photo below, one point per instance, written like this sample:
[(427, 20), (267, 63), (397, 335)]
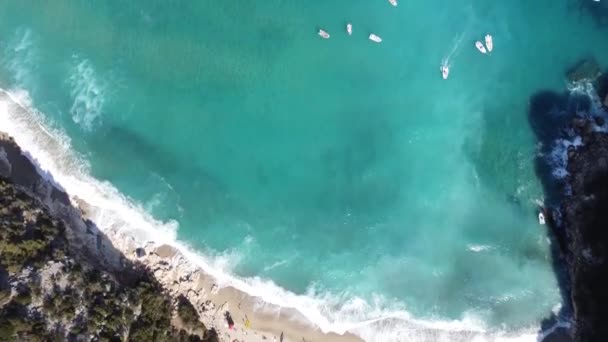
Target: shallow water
[(340, 169)]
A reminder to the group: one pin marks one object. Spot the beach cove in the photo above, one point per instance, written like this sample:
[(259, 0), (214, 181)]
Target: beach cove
[(337, 178)]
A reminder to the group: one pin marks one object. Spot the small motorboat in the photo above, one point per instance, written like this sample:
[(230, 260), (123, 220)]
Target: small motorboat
[(489, 43), (375, 38), (323, 34), (480, 47), (349, 29), (393, 2), (541, 218), (445, 71)]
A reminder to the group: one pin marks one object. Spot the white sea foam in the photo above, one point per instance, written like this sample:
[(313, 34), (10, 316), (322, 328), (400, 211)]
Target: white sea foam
[(587, 88), (19, 57), (88, 93), (375, 320), (478, 248), (559, 155), (277, 264)]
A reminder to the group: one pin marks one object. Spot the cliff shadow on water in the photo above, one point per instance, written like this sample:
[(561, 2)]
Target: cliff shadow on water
[(562, 124)]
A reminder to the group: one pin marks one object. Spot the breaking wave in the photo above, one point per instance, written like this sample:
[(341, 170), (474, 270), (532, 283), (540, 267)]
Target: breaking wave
[(375, 320)]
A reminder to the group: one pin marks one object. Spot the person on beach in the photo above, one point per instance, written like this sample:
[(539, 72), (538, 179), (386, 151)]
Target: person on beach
[(229, 320)]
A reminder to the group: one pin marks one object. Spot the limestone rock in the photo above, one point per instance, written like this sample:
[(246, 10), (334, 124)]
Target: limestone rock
[(585, 70), (5, 165), (140, 252), (165, 251)]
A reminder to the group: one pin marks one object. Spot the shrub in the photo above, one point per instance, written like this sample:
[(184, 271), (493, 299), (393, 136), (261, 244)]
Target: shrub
[(187, 312)]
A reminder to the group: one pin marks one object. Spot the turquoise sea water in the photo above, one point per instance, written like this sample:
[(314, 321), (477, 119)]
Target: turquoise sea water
[(339, 169)]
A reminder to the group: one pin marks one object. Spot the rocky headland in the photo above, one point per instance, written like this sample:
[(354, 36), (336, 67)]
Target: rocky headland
[(61, 279), (573, 166)]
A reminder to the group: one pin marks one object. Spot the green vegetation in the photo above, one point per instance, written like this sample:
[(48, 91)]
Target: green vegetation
[(24, 240), (88, 300), (187, 312)]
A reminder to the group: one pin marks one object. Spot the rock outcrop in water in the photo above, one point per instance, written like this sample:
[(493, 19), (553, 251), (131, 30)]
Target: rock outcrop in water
[(61, 280)]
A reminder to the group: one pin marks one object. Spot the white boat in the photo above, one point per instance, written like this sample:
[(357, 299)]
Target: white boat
[(489, 43), (393, 2), (323, 34), (480, 47), (349, 29), (445, 71), (541, 218), (375, 38)]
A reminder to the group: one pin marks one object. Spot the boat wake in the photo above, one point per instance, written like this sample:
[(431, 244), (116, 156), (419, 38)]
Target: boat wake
[(446, 63)]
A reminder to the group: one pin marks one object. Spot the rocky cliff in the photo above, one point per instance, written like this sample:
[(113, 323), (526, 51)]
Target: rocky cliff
[(585, 218), (573, 166), (61, 279)]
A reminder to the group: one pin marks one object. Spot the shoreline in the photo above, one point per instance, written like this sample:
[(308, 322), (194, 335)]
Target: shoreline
[(177, 275), (180, 277), (182, 271), (174, 270)]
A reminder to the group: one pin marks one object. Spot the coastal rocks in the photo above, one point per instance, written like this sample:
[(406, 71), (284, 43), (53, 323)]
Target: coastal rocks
[(583, 126), (576, 182), (117, 254), (58, 279), (571, 152), (5, 165), (585, 70), (585, 217), (165, 251), (140, 252), (600, 121), (25, 174)]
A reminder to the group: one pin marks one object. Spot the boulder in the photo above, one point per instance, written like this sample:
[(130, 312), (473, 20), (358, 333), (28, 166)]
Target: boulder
[(140, 252), (165, 251), (571, 152), (5, 165), (599, 120), (588, 128), (586, 70), (578, 123)]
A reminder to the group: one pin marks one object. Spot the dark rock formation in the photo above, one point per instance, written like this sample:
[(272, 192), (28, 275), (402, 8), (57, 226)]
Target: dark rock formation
[(577, 200), (578, 203), (585, 217)]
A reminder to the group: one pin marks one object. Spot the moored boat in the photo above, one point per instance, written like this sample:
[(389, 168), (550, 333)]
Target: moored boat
[(349, 29), (445, 71), (480, 47), (541, 218), (375, 38), (489, 43), (323, 34)]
